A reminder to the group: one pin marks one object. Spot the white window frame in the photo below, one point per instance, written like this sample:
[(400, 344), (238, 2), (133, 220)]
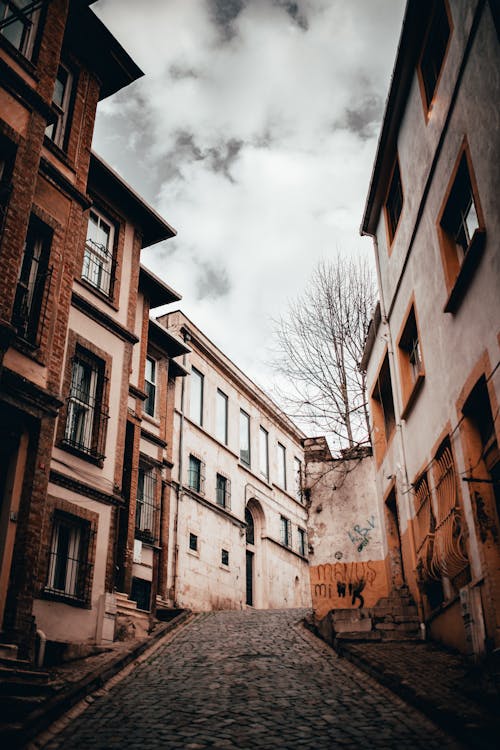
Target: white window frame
[(221, 416), (150, 385), (80, 423), (56, 131), (264, 453), (281, 452), (27, 41), (196, 406), (97, 265), (245, 438)]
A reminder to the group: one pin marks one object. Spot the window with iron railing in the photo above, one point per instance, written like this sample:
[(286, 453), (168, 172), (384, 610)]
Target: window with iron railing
[(223, 491), (98, 255), (196, 476), (33, 286), (86, 413), (18, 23), (424, 526), (150, 386), (69, 570), (147, 511), (449, 556)]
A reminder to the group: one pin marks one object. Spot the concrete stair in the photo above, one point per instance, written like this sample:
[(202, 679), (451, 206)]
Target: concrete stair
[(23, 689), (131, 622), (393, 618)]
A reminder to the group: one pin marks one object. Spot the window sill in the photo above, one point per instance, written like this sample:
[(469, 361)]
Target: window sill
[(225, 567), (28, 349), (193, 553), (58, 152), (97, 460), (412, 395), (63, 599), (20, 59), (107, 299), (466, 272)]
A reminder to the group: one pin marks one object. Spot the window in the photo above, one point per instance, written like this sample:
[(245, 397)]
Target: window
[(382, 405), (250, 527), (221, 417), (140, 593), (57, 130), (410, 360), (424, 527), (7, 157), (449, 557), (86, 416), (282, 466), (302, 542), (434, 51), (195, 474), (244, 438), (286, 531), (19, 25), (30, 303), (150, 386), (196, 401), (69, 570), (193, 542), (461, 229), (98, 256), (297, 470), (394, 202), (146, 508), (264, 453), (223, 495), (224, 557)]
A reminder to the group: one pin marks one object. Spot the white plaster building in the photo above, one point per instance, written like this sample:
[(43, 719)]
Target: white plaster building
[(433, 351), (237, 516)]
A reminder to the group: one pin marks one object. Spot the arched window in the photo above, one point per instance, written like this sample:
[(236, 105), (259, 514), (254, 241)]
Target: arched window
[(250, 527)]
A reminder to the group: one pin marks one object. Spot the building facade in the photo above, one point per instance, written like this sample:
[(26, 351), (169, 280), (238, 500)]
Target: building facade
[(433, 349), (74, 331), (237, 526)]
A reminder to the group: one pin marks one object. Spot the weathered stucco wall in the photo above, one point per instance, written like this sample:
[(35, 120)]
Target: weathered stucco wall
[(345, 531)]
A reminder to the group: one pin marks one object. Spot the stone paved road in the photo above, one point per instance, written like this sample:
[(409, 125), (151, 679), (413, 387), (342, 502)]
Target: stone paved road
[(251, 679)]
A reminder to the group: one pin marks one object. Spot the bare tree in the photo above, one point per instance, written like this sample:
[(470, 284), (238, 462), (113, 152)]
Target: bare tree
[(319, 345)]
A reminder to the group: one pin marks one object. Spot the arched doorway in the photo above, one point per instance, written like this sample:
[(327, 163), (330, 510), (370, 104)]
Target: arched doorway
[(250, 553)]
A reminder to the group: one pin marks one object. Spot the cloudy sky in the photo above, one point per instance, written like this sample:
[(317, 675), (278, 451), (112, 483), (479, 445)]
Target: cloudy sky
[(253, 133)]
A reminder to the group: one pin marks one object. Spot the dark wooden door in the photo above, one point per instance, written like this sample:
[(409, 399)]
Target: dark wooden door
[(250, 578)]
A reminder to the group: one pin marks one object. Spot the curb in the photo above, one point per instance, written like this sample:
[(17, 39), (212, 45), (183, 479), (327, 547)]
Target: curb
[(40, 719)]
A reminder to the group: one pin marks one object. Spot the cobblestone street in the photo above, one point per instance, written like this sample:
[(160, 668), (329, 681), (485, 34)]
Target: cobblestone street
[(252, 679)]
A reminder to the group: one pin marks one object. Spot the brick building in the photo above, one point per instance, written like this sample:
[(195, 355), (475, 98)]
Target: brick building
[(71, 234), (433, 349)]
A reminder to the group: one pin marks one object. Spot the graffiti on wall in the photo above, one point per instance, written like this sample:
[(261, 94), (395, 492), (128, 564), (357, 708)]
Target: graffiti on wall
[(344, 581), (360, 535)]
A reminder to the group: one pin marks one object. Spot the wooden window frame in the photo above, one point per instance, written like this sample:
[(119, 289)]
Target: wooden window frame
[(392, 230), (411, 380), (426, 103), (380, 437), (459, 271)]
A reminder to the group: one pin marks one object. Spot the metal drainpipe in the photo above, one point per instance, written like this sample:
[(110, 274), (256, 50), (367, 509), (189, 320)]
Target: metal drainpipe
[(399, 425), (179, 489)]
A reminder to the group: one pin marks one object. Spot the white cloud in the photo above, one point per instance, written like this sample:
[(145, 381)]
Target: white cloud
[(256, 141)]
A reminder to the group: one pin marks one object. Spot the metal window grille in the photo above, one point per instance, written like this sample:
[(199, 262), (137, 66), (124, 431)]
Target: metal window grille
[(69, 571), (147, 510), (223, 491), (448, 557), (196, 474), (424, 528), (97, 265), (86, 414), (150, 386), (33, 289)]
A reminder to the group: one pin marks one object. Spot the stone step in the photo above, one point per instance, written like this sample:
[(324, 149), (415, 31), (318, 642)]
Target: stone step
[(8, 651), (31, 675), (371, 635), (16, 707), (24, 688)]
